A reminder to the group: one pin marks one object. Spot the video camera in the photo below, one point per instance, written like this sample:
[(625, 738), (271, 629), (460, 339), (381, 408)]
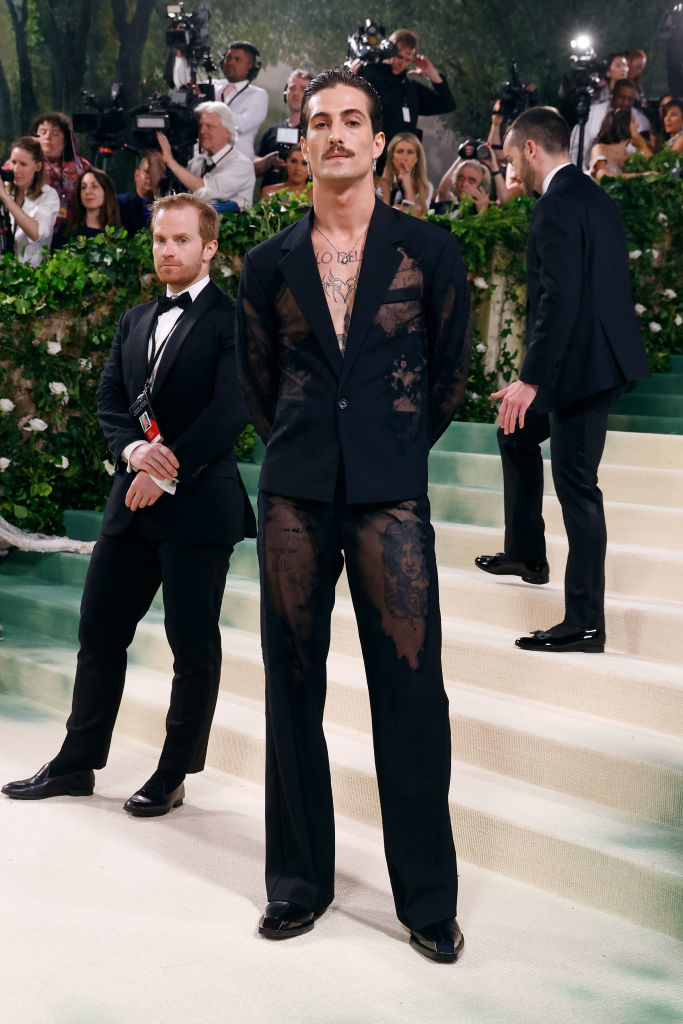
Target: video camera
[(6, 232), (369, 44), (189, 33), (174, 116), (587, 69), (515, 95), (106, 127)]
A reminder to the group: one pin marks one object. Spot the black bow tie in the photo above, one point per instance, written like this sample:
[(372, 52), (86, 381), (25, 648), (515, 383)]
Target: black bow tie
[(166, 302), (207, 166)]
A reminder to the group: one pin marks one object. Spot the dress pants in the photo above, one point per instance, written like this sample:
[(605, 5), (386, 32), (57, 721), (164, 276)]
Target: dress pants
[(124, 575), (577, 439), (391, 569)]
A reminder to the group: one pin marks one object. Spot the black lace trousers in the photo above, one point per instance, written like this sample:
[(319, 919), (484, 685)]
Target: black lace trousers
[(391, 569)]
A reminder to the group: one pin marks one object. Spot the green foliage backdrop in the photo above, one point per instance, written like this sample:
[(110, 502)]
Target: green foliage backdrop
[(57, 323)]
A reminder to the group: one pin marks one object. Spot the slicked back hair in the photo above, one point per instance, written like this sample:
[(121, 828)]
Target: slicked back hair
[(208, 218), (341, 76), (545, 125)]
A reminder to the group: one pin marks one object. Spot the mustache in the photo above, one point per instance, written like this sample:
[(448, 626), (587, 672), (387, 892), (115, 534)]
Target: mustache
[(337, 151)]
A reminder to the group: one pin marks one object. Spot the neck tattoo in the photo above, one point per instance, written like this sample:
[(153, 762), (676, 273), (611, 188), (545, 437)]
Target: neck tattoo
[(343, 255)]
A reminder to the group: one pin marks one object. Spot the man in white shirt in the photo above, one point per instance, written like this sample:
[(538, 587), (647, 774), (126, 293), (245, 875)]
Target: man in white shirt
[(247, 102), (220, 173)]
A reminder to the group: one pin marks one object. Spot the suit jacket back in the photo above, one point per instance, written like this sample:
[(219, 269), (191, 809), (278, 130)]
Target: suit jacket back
[(199, 408), (582, 332)]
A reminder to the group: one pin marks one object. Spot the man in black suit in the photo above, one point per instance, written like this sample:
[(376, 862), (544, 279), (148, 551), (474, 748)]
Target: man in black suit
[(170, 407), (582, 346), (353, 349)]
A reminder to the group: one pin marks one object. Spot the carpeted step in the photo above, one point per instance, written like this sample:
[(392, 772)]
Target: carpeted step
[(646, 424), (638, 403)]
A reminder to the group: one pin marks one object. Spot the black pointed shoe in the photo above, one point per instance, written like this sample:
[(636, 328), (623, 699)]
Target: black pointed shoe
[(442, 941), (591, 641), (502, 565), (152, 800), (284, 920), (42, 785)]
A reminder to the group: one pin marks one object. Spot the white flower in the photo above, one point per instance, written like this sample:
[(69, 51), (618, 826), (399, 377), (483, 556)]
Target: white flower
[(35, 423), (678, 320), (4, 463), (479, 282), (54, 348), (668, 293), (481, 347), (640, 309), (108, 466), (655, 254), (226, 271), (654, 326), (474, 396), (635, 255), (63, 464), (85, 364), (59, 390), (662, 218), (6, 404)]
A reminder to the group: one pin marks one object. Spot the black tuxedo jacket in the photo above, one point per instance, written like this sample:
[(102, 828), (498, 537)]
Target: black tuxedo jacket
[(376, 410), (199, 409), (582, 334)]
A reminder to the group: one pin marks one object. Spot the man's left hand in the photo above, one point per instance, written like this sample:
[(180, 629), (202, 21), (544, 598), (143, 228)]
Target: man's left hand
[(143, 492), (424, 66), (517, 397)]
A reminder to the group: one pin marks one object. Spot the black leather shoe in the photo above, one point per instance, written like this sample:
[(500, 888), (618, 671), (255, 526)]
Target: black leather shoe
[(41, 786), (442, 941), (592, 641), (152, 800), (284, 920), (502, 565)]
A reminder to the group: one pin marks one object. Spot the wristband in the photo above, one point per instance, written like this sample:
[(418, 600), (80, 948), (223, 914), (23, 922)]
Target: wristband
[(497, 172), (495, 145)]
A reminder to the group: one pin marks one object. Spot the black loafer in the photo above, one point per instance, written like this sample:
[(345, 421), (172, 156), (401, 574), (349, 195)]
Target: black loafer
[(152, 800), (591, 641), (41, 785), (442, 941), (284, 920), (502, 565)]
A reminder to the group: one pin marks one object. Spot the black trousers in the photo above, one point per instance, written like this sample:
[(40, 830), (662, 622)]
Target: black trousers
[(391, 568), (124, 575), (577, 439)]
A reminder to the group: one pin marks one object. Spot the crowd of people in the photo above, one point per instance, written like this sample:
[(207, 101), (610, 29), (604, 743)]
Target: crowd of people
[(56, 194)]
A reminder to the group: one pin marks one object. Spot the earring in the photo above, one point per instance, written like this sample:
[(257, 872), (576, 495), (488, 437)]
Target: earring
[(374, 166)]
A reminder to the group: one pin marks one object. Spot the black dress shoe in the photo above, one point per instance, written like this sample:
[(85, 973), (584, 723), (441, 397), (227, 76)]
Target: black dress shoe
[(502, 565), (41, 786), (152, 800), (284, 920), (592, 641), (442, 941)]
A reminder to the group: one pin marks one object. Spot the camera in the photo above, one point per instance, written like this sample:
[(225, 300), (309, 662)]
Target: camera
[(587, 69), (174, 116), (286, 138), (7, 175), (106, 125), (472, 149), (369, 44), (515, 97), (189, 33)]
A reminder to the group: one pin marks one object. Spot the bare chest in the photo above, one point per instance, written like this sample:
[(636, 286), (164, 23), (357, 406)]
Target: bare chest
[(339, 270)]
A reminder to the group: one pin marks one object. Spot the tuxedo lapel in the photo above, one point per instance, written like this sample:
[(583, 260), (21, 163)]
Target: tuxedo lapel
[(300, 272), (186, 322), (135, 372), (381, 260)]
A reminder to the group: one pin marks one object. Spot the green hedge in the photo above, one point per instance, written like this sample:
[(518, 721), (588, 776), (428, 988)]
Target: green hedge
[(57, 323)]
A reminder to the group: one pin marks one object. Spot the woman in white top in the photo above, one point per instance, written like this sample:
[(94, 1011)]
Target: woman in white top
[(617, 139), (32, 204)]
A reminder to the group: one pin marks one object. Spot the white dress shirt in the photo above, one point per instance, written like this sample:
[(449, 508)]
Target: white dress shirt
[(44, 208), (232, 176), (551, 174), (164, 326), (596, 115)]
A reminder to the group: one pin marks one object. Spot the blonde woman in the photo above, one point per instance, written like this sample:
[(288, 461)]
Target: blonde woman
[(405, 184)]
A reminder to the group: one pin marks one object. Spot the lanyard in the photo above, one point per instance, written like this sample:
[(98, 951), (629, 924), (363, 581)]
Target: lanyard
[(155, 355)]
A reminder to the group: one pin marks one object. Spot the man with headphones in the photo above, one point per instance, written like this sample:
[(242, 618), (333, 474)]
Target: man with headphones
[(247, 102), (267, 161)]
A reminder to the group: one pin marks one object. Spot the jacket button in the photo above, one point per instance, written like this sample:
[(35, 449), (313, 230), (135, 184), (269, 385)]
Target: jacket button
[(342, 404)]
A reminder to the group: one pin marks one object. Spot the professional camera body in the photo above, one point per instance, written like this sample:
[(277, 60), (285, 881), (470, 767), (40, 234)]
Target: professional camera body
[(369, 44), (474, 149), (586, 72), (6, 232), (515, 95), (105, 126), (7, 175)]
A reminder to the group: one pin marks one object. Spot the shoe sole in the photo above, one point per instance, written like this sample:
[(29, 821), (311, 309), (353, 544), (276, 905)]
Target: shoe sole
[(439, 958), (47, 796), (152, 812), (569, 649), (288, 933), (539, 580)]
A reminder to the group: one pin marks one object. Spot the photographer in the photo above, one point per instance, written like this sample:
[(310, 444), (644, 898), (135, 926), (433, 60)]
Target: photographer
[(404, 99), (31, 203), (465, 177), (220, 174), (268, 161)]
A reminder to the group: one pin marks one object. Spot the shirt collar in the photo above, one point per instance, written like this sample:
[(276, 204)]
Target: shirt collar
[(220, 153), (551, 174), (194, 289)]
